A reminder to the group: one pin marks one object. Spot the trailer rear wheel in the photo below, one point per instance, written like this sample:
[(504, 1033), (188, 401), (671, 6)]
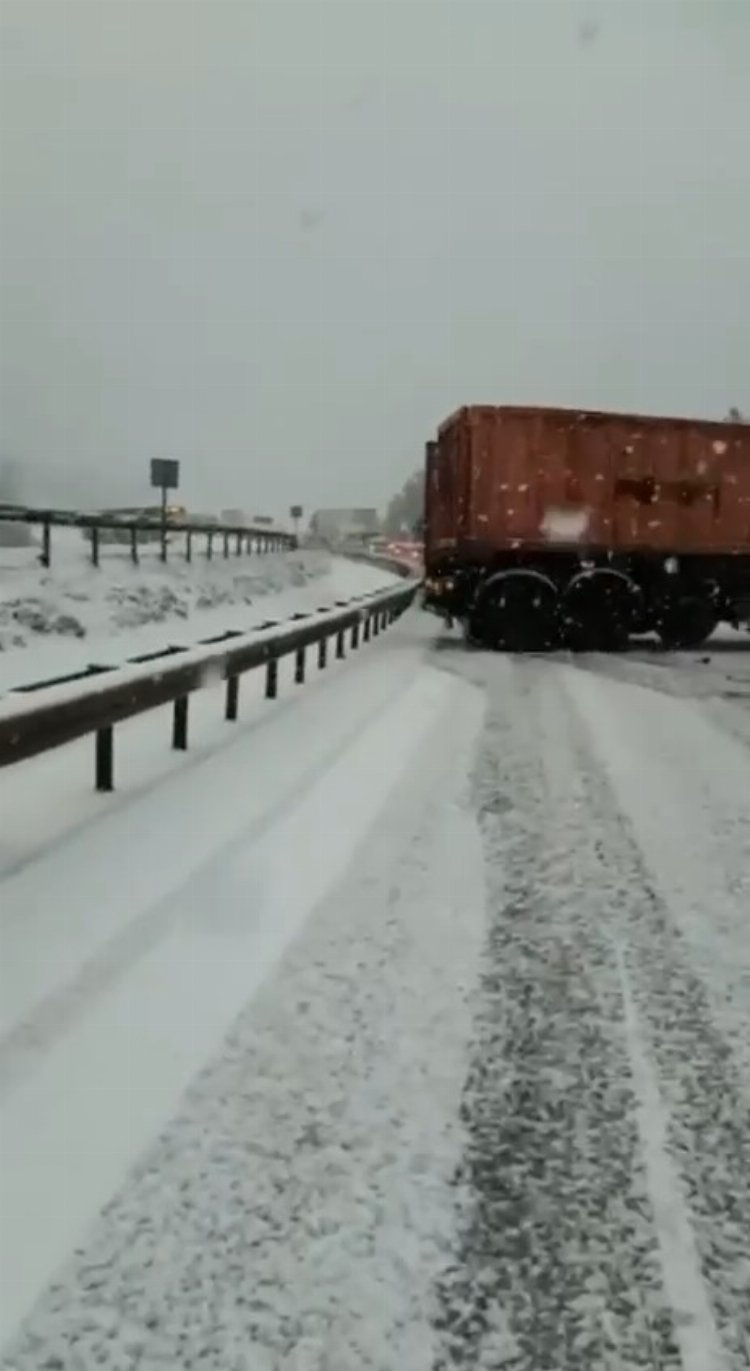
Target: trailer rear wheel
[(687, 623), (600, 608), (515, 611)]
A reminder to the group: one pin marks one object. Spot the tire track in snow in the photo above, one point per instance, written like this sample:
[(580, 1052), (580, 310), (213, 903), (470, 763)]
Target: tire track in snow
[(559, 1264), (700, 1346), (698, 1061)]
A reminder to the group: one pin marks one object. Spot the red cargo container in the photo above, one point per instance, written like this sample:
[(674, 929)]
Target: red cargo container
[(660, 504)]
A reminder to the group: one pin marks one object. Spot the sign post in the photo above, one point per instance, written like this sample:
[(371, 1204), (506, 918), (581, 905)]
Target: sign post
[(165, 476), (295, 514)]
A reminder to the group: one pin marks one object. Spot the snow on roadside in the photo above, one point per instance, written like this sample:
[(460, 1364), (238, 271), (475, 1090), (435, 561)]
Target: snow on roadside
[(76, 600), (68, 623), (294, 1215)]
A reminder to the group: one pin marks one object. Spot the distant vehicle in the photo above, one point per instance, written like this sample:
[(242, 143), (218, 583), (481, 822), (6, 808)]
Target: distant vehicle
[(545, 526)]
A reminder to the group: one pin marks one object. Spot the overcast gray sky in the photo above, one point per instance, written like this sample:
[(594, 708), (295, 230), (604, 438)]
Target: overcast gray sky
[(280, 241)]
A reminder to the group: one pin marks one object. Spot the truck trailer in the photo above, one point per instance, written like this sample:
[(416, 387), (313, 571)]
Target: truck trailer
[(550, 527)]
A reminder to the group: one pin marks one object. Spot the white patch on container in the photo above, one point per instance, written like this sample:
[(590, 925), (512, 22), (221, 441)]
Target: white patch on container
[(702, 467), (564, 525), (719, 446)]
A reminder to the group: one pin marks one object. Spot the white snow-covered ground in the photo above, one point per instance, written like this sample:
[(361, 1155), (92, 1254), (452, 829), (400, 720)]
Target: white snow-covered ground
[(60, 621), (350, 808), (404, 1025)]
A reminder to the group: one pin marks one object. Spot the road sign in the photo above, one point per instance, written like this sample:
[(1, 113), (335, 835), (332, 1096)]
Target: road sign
[(165, 474), (296, 512)]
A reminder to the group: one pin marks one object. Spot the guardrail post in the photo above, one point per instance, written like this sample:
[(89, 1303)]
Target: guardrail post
[(376, 623), (340, 645), (355, 634), (134, 545), (299, 667), (323, 654), (366, 628), (272, 678), (209, 546), (180, 724), (188, 546), (95, 544), (105, 780), (233, 698), (46, 557), (226, 544), (238, 546)]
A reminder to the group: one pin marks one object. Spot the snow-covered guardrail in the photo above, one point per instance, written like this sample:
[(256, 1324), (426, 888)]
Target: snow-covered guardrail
[(138, 529), (67, 710)]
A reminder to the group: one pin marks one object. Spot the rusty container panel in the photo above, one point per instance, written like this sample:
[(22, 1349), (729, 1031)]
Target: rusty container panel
[(517, 478), (446, 490), (533, 482), (683, 487)]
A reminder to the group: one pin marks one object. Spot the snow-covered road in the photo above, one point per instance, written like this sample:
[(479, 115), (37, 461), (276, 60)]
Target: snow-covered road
[(606, 1172), (410, 1031)]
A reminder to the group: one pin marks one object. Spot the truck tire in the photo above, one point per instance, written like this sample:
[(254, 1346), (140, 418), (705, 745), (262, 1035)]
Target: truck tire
[(687, 623), (515, 611), (599, 610)]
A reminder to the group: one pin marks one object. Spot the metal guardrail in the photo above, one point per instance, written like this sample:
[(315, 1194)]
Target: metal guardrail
[(242, 538), (72, 709)]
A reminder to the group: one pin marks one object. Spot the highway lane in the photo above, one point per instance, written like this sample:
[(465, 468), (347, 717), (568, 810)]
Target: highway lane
[(489, 1106)]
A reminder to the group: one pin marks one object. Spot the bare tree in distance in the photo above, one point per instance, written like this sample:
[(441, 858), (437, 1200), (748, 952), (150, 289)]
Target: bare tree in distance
[(735, 416), (404, 513)]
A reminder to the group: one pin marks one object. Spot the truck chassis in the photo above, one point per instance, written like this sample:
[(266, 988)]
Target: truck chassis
[(539, 600)]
